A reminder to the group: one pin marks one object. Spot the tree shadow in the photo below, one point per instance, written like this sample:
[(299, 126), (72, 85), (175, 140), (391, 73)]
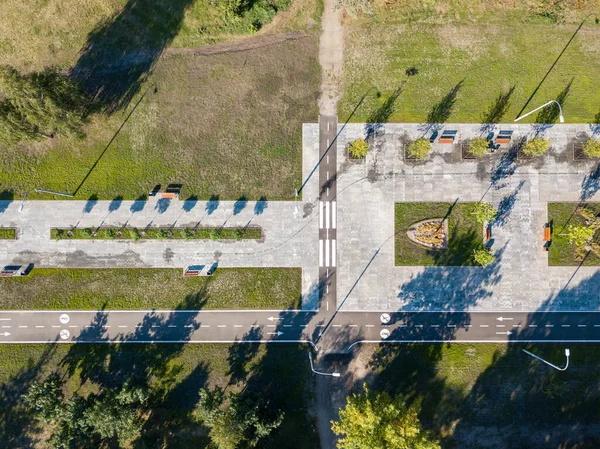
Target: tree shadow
[(506, 206), (90, 203), (590, 184), (497, 110), (551, 113), (120, 53), (240, 354), (190, 203), (505, 168), (162, 205), (115, 204), (441, 112), (6, 197), (139, 204), (240, 204), (381, 115), (260, 205), (212, 204)]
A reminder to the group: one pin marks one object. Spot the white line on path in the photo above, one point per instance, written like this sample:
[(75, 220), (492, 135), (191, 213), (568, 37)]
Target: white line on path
[(333, 253), (5, 319), (122, 325), (238, 325), (451, 325), (533, 325), (337, 325), (353, 325), (6, 327), (549, 325), (205, 325), (500, 325), (435, 325), (320, 253), (328, 191), (484, 325), (328, 158), (327, 126), (327, 204), (581, 325), (333, 214), (327, 143), (172, 325), (320, 214), (327, 175), (596, 325), (39, 327), (23, 327), (73, 326), (327, 252), (327, 305), (565, 325), (221, 325), (154, 325), (369, 325)]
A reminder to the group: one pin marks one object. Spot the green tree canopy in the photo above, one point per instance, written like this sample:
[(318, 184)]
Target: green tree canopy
[(484, 212), (483, 257), (45, 400), (580, 234), (536, 146), (40, 104), (378, 420), (592, 148), (359, 148), (478, 147), (419, 149)]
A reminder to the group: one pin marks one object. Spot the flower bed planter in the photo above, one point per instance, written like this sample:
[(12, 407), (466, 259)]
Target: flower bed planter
[(250, 233), (8, 233)]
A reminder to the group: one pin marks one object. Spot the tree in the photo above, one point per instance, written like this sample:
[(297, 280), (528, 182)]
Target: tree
[(40, 104), (419, 149), (579, 234), (237, 418), (478, 147), (536, 147), (378, 420), (358, 149), (484, 212), (592, 148), (483, 257), (45, 400)]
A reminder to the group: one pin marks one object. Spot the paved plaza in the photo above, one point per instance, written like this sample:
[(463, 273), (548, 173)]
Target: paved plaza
[(520, 279)]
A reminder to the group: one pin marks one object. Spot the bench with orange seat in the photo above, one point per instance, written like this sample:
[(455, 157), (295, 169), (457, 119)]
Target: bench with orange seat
[(547, 237), (168, 195)]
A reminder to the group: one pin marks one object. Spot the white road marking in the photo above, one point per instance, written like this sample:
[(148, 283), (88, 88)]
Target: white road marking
[(404, 325), (516, 325), (327, 252), (72, 326), (221, 325), (549, 325), (320, 214), (137, 325), (337, 325), (238, 325), (327, 126), (327, 191), (369, 325), (188, 325), (533, 325), (6, 327), (333, 253), (328, 158), (596, 325), (565, 325), (353, 325), (467, 325), (327, 204), (327, 305), (205, 325), (39, 327), (333, 214), (327, 143), (484, 325), (156, 325), (122, 325), (107, 326), (435, 325), (320, 253), (172, 325), (285, 325), (327, 288), (581, 325), (5, 319), (319, 325), (89, 325), (451, 325), (22, 327), (500, 325)]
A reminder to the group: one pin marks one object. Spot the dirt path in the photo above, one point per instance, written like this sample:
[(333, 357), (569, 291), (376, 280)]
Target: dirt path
[(331, 58)]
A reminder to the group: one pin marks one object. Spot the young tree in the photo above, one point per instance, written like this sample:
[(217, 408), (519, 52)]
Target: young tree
[(592, 148), (39, 105), (483, 257), (484, 212), (45, 400), (579, 234), (358, 149), (536, 146), (377, 420), (478, 147), (419, 149)]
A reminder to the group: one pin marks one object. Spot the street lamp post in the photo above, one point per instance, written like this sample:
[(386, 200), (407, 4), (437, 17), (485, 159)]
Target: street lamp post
[(561, 117), (567, 353), (51, 192), (319, 372)]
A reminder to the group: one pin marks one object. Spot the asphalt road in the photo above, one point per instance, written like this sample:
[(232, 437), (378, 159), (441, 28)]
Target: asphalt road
[(344, 331)]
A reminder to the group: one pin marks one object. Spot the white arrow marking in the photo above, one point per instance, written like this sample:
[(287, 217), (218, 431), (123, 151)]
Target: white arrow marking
[(6, 334), (278, 333), (271, 318), (503, 318), (504, 333)]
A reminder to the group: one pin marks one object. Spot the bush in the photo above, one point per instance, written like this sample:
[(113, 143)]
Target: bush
[(134, 234), (536, 146), (215, 234), (592, 148), (484, 212), (419, 149), (483, 257), (358, 149), (478, 147)]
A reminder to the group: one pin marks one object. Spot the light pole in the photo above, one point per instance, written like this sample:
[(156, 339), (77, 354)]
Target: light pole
[(567, 353), (561, 117), (51, 192), (319, 372)]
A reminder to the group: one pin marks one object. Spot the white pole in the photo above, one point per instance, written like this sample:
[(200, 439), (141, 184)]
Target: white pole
[(567, 353), (318, 372), (561, 117)]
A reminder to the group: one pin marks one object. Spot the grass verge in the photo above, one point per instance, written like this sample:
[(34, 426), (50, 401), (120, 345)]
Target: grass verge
[(495, 393), (8, 233), (228, 288), (249, 233), (174, 373), (560, 217), (464, 234)]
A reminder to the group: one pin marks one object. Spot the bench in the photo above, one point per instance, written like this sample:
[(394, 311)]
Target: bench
[(433, 137), (168, 195), (547, 237), (502, 140), (488, 233), (446, 140)]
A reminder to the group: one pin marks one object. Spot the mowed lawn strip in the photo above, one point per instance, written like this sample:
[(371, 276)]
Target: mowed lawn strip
[(177, 372), (464, 234), (129, 288), (492, 49), (469, 391), (560, 217)]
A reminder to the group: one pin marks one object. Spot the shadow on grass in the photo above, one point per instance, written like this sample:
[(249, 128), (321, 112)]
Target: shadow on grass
[(120, 52), (381, 115), (497, 110), (441, 112), (551, 113)]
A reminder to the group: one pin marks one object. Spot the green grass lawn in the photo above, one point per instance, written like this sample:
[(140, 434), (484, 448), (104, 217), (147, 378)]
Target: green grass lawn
[(175, 373), (228, 288), (465, 235), (495, 392), (493, 48), (560, 216)]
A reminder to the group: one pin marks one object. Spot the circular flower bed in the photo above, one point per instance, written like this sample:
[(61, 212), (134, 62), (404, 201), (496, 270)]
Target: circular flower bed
[(432, 233)]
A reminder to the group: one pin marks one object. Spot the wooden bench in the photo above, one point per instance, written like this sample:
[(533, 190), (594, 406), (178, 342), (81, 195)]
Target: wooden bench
[(446, 140), (488, 233), (502, 140), (168, 195), (547, 237)]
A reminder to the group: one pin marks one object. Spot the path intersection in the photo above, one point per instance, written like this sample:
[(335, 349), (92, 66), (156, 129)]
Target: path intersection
[(341, 233)]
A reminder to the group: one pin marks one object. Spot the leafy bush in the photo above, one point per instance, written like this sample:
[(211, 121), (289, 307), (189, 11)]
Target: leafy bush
[(419, 149), (580, 234), (484, 212), (592, 148), (134, 234), (358, 149), (478, 147), (483, 257), (215, 234), (536, 146)]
